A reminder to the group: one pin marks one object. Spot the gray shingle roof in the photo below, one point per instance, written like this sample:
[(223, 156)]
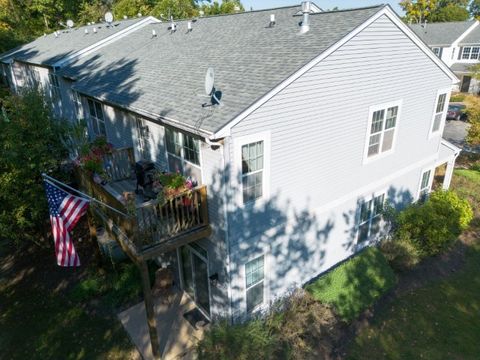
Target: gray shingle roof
[(461, 67), (49, 49), (473, 38), (164, 75), (441, 34)]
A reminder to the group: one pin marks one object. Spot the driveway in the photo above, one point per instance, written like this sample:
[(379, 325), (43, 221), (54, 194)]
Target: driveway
[(455, 132)]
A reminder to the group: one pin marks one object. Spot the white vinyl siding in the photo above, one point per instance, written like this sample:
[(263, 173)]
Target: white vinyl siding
[(383, 125), (254, 283), (183, 152), (370, 216), (97, 118), (252, 171)]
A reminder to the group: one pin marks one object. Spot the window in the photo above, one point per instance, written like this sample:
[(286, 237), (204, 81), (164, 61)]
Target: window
[(254, 283), (425, 185), (437, 51), (470, 53), (383, 122), (439, 112), (97, 118), (370, 217), (183, 153), (78, 104), (252, 171), (54, 86)]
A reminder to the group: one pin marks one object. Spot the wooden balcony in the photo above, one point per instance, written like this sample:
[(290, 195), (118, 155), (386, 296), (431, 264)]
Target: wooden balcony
[(144, 229)]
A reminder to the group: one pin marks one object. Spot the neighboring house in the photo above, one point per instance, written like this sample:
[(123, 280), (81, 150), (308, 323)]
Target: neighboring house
[(319, 126), (37, 63), (458, 45)]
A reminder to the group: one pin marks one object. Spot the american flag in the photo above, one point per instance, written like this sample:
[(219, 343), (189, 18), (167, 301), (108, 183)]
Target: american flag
[(65, 211)]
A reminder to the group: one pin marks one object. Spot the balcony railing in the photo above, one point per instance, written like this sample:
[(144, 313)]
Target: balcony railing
[(148, 228)]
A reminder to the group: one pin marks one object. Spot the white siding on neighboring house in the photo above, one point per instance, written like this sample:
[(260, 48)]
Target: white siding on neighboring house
[(318, 128)]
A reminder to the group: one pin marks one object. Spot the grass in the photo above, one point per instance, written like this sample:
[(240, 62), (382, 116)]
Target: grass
[(439, 320), (355, 285), (45, 315)]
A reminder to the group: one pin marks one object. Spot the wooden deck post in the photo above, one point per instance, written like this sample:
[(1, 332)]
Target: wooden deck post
[(150, 310)]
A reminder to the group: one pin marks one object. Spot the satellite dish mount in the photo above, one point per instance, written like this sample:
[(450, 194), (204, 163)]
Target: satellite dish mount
[(210, 90), (108, 18)]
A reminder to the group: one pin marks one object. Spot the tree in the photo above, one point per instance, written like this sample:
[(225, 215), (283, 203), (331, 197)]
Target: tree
[(131, 8), (475, 8), (179, 9), (450, 12), (417, 11), (473, 111), (30, 145)]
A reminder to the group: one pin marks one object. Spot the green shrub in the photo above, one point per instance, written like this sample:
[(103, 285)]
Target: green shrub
[(434, 225), (355, 285), (252, 340), (402, 254)]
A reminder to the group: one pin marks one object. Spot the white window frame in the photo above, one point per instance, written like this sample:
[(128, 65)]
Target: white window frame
[(439, 132), (237, 168), (430, 182), (371, 111), (182, 150), (358, 221), (468, 55), (264, 281), (54, 86), (95, 118)]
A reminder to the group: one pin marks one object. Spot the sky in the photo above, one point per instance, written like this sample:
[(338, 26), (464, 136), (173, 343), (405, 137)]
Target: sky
[(324, 4)]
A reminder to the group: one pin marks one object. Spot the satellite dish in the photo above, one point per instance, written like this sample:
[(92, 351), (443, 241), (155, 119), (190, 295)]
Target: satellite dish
[(109, 17), (209, 79), (70, 23)]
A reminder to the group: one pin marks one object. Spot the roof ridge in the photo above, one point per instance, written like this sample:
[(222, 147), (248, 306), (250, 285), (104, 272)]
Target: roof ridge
[(347, 10)]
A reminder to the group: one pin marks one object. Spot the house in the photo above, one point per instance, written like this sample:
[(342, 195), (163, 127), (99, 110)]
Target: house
[(318, 120), (458, 45), (36, 63)]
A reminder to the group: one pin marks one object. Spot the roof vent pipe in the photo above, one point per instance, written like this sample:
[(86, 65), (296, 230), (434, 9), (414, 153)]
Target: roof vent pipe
[(306, 9), (272, 20), (154, 33), (189, 26)]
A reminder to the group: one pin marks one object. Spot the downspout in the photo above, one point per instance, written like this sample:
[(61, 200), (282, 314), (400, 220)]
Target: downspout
[(227, 230)]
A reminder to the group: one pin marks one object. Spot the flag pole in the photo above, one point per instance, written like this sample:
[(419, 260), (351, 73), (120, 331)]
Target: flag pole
[(51, 179)]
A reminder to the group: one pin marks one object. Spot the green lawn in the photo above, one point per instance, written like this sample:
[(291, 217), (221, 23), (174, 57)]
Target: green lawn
[(440, 320), (356, 284)]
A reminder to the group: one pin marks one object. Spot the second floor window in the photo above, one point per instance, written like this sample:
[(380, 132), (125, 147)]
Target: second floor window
[(470, 52), (437, 51), (383, 124), (252, 171), (439, 112), (54, 86), (183, 154), (97, 118)]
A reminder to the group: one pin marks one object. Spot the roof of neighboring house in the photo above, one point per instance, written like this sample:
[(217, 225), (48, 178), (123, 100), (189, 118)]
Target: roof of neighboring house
[(473, 38), (164, 75), (48, 49), (441, 34), (461, 67)]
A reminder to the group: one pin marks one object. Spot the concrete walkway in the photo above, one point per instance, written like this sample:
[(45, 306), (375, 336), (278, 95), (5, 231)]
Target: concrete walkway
[(177, 336)]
